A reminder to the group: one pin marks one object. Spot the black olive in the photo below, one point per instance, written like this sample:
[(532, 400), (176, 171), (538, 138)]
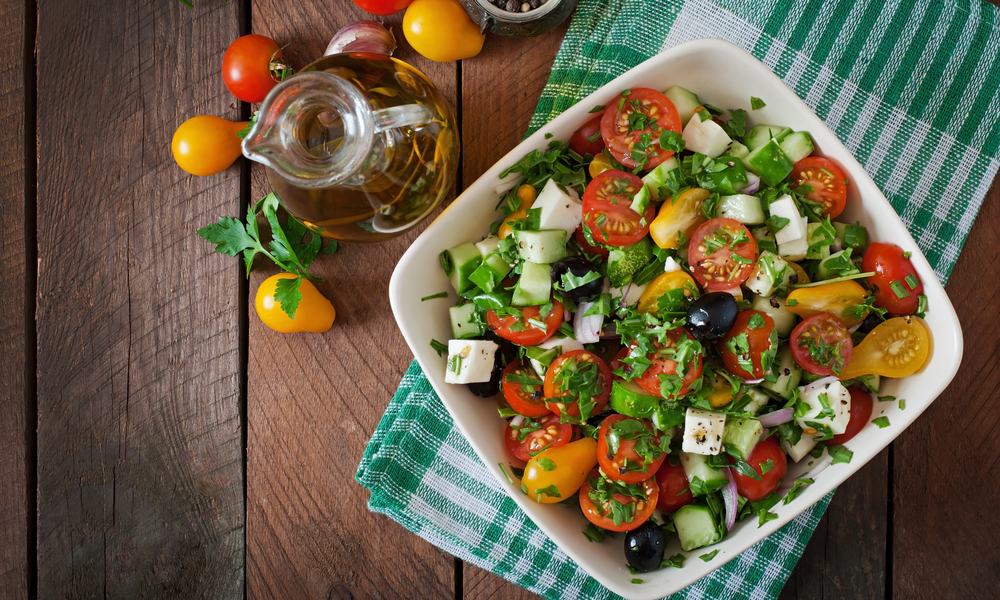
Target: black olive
[(712, 316), (505, 354), (870, 322), (579, 267), (596, 420), (644, 547)]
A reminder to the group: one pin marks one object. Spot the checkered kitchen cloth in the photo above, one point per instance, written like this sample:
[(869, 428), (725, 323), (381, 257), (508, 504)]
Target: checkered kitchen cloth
[(911, 88)]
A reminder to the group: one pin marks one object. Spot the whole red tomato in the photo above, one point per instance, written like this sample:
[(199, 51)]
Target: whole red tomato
[(246, 67), (383, 7)]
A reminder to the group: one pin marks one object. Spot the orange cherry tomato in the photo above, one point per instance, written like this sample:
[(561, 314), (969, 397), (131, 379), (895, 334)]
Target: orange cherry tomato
[(598, 508), (649, 301), (829, 185), (832, 298), (206, 145), (441, 30), (315, 313)]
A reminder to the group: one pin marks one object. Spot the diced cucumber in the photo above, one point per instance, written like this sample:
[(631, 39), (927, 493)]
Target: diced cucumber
[(655, 179), (758, 400), (489, 274), (770, 162), (726, 175), (684, 101), (542, 355), (462, 324), (629, 399), (741, 207), (543, 247), (488, 246), (762, 134), (460, 262), (625, 262), (797, 145), (837, 264), (742, 435), (702, 477), (851, 236), (765, 239), (738, 150), (788, 371), (872, 382), (697, 526), (535, 285), (770, 273), (640, 202), (819, 238), (775, 307)]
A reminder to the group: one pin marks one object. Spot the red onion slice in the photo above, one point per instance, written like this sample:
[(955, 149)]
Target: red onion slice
[(753, 184), (753, 381), (730, 499), (777, 417), (587, 330)]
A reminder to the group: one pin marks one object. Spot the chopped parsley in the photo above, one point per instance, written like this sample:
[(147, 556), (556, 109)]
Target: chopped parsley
[(439, 347), (882, 422), (433, 296), (756, 103), (709, 555), (797, 487), (839, 454)]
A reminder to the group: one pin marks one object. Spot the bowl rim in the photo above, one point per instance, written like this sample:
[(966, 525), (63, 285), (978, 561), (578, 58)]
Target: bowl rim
[(947, 337)]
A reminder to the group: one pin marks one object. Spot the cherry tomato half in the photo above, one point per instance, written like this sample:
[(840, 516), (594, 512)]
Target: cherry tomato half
[(587, 246), (383, 7), (603, 516), (587, 139), (534, 435), (246, 67), (861, 411), (713, 248), (643, 111), (569, 376), (526, 399), (607, 209), (892, 270), (829, 185), (821, 344), (626, 464), (529, 335), (750, 488), (896, 348), (663, 364), (674, 489), (750, 336)]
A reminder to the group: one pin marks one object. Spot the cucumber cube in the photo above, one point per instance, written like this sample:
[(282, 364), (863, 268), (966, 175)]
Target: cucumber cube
[(686, 102), (770, 162), (697, 526), (463, 323), (534, 288), (741, 207), (788, 371), (459, 263), (797, 145), (543, 247), (742, 435), (762, 134)]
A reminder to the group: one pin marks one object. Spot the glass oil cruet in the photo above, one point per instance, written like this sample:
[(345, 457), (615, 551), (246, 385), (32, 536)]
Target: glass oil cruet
[(360, 146)]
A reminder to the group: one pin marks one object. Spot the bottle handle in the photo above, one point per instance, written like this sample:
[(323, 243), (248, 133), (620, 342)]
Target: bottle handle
[(404, 115)]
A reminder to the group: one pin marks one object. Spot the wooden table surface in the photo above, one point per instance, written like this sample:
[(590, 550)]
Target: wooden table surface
[(157, 441)]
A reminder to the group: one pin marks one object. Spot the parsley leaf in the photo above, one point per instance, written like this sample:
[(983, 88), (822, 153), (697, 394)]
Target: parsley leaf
[(756, 103), (839, 454), (709, 555), (676, 560), (800, 484)]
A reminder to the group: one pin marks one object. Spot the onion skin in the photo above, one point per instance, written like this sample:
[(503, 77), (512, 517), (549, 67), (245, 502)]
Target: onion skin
[(363, 36)]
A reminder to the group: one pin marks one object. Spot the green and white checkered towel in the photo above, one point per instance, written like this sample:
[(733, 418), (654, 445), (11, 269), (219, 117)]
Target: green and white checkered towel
[(911, 88)]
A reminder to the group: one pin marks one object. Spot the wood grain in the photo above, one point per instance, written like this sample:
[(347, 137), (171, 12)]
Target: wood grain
[(314, 400), (946, 472), (13, 506), (139, 461)]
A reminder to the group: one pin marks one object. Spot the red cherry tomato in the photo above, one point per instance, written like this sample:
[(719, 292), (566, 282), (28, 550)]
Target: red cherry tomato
[(740, 352), (821, 344), (525, 399), (662, 364), (602, 516), (383, 7), (246, 67), (675, 491), (587, 139), (750, 488), (607, 209), (712, 250), (622, 131), (576, 365), (535, 435), (861, 412), (529, 335), (626, 465), (829, 185), (890, 264), (587, 246)]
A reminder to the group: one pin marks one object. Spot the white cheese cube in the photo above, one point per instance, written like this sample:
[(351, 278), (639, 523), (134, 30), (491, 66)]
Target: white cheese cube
[(769, 273), (490, 244), (796, 228), (469, 361), (565, 345), (806, 443), (559, 210), (671, 265), (703, 431), (628, 295), (706, 137), (759, 400), (794, 250), (829, 405)]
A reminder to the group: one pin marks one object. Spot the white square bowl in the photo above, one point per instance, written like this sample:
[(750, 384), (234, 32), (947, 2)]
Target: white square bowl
[(727, 76)]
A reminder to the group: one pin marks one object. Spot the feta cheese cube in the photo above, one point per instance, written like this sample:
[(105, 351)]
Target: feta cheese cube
[(706, 137), (703, 431), (759, 400), (796, 227), (559, 209), (798, 451), (671, 265), (827, 404), (469, 361), (794, 250)]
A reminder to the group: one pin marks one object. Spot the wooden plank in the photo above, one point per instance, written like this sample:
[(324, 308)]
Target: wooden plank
[(314, 399), (140, 486), (13, 513), (946, 465), (500, 89)]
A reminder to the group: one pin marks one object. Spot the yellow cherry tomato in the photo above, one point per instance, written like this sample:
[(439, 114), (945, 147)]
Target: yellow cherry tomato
[(206, 145), (526, 193), (803, 276), (564, 467), (315, 313), (441, 30), (600, 164), (895, 348), (681, 214), (722, 392), (649, 301), (834, 298)]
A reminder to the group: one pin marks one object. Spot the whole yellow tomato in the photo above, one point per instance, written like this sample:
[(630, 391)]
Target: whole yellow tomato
[(441, 30), (206, 145), (315, 313), (556, 473)]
